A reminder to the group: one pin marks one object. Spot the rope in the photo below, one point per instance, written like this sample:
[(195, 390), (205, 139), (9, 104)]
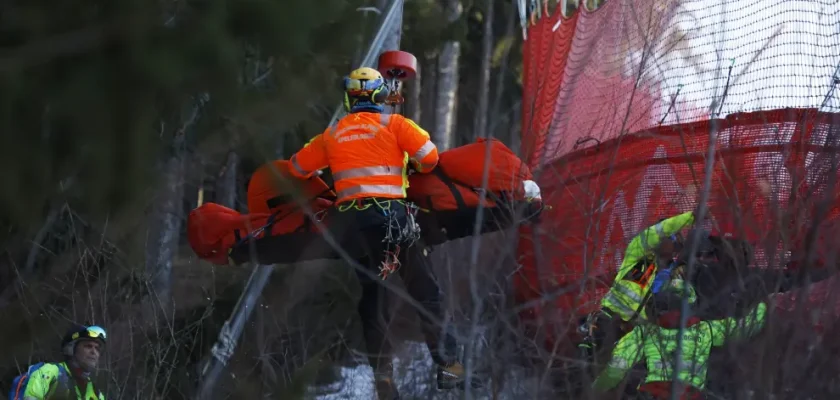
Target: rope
[(397, 235)]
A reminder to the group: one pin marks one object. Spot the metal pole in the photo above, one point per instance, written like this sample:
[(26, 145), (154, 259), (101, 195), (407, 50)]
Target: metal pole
[(391, 14), (215, 363), (232, 329)]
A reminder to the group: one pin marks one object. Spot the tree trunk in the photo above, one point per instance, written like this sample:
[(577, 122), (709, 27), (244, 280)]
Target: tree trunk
[(413, 97), (167, 214), (227, 186), (165, 227), (428, 95), (484, 77), (447, 82), (515, 131), (499, 85)]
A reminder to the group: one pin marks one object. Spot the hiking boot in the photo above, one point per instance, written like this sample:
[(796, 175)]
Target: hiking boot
[(386, 389), (450, 376)]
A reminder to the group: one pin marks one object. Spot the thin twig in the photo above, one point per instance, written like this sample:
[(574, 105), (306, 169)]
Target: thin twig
[(694, 241)]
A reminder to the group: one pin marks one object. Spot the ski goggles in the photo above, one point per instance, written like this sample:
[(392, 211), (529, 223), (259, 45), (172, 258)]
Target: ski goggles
[(91, 332), (361, 86)]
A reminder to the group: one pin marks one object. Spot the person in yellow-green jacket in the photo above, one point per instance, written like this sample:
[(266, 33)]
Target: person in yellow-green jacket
[(656, 341), (648, 252), (70, 379), (655, 245)]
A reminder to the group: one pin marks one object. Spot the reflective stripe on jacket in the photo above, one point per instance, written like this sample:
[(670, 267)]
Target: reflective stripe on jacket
[(44, 384), (367, 154), (657, 347), (625, 297)]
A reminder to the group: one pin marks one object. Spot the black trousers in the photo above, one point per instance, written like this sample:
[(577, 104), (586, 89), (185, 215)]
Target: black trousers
[(360, 229)]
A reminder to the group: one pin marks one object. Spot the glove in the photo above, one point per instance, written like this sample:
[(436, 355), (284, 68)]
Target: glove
[(662, 277)]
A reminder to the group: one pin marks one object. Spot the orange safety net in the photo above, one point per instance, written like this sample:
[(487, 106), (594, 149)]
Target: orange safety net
[(773, 171), (631, 65), (617, 103)]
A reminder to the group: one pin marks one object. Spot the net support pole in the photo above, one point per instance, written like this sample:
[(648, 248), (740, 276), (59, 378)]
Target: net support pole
[(393, 34), (392, 15), (215, 363), (222, 350)]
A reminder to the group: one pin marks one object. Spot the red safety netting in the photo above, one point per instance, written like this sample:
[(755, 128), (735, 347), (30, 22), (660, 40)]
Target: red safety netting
[(772, 170), (633, 64), (654, 67)]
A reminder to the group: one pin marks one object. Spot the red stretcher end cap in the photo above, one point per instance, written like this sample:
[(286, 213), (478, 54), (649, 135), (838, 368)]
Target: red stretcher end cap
[(398, 64)]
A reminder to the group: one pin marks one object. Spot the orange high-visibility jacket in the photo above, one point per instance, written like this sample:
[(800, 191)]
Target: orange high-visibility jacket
[(368, 154)]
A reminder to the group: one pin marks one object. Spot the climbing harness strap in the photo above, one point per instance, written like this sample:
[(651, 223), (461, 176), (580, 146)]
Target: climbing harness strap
[(273, 219), (397, 234), (283, 199), (501, 198)]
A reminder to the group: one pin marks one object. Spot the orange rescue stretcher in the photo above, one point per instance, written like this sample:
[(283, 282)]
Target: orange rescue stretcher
[(280, 229)]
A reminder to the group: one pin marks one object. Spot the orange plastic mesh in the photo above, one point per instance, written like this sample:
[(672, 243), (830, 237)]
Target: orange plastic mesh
[(615, 121)]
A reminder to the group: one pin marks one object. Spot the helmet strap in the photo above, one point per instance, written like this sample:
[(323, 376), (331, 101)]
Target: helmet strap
[(346, 102), (69, 349), (363, 104)]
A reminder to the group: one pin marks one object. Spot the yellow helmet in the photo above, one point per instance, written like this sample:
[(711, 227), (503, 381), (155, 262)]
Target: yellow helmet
[(365, 73), (364, 87)]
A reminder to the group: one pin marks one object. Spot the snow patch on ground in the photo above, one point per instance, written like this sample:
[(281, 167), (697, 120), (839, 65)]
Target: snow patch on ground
[(355, 383), (415, 376)]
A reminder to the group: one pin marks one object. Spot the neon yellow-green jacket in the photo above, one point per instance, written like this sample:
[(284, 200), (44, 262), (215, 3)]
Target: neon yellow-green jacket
[(657, 346), (48, 382), (625, 296)]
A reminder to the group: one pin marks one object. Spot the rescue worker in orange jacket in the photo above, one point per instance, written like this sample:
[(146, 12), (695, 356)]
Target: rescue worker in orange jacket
[(368, 152)]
